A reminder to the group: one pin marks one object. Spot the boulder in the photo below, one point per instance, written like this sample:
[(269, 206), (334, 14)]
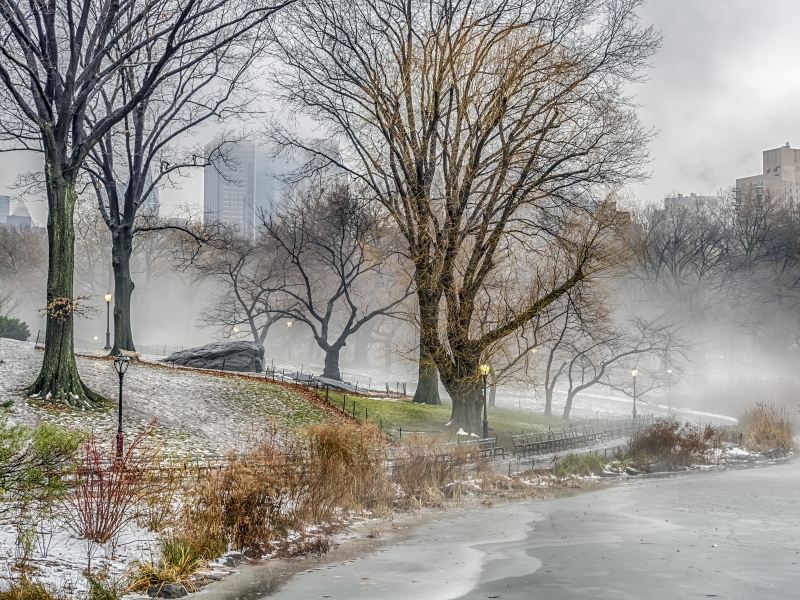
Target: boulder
[(230, 356), (167, 590)]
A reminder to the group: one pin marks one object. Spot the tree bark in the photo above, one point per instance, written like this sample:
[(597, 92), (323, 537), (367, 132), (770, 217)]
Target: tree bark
[(331, 370), (427, 391), (467, 412), (122, 248), (548, 401), (492, 394), (568, 406), (58, 379)]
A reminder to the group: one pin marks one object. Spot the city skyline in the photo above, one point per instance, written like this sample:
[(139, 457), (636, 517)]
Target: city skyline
[(712, 123)]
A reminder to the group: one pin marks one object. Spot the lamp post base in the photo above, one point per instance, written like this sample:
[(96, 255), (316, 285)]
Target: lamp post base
[(119, 447)]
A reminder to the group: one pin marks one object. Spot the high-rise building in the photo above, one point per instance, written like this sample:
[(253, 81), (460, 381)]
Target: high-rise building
[(780, 178), (5, 205), (243, 182), (229, 186)]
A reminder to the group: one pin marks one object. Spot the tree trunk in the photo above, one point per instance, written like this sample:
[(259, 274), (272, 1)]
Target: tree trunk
[(332, 363), (428, 381), (121, 250), (58, 379), (568, 406), (492, 394), (467, 412), (548, 400)]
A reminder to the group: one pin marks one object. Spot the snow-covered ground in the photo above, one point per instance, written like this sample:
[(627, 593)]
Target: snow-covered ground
[(196, 414)]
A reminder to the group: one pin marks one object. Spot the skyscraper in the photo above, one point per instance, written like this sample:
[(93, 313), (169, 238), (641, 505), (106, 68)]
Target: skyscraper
[(243, 182), (229, 186), (5, 205)]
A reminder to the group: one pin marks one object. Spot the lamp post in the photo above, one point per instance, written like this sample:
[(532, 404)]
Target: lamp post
[(289, 324), (121, 365), (669, 390), (107, 298), (634, 374), (484, 371)]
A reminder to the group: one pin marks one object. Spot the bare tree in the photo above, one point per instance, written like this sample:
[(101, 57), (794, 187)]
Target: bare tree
[(603, 355), (478, 125), (58, 61), (333, 248), (248, 277), (143, 153)]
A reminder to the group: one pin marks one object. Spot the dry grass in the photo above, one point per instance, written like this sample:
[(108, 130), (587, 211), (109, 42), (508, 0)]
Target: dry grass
[(767, 427), (180, 559), (264, 494), (424, 474), (25, 589), (667, 441), (346, 470)]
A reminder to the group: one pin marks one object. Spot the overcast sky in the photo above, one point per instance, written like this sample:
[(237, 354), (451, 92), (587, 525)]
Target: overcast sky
[(724, 87)]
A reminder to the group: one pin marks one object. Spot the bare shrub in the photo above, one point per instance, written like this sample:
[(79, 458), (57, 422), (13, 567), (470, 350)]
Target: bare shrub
[(106, 495), (158, 512), (767, 427), (345, 470), (666, 440), (423, 472), (254, 498)]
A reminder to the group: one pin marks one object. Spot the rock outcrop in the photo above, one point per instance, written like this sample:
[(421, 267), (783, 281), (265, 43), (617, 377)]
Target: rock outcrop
[(230, 356)]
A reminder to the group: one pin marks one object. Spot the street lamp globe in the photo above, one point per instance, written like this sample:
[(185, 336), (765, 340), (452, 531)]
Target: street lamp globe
[(484, 370), (635, 372), (669, 371), (121, 364), (289, 323), (107, 297), (235, 329)]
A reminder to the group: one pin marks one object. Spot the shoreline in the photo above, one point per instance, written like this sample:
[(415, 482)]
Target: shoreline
[(257, 580)]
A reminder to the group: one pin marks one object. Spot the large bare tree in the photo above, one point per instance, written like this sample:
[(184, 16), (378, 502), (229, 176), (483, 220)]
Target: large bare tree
[(58, 60), (334, 251), (479, 125)]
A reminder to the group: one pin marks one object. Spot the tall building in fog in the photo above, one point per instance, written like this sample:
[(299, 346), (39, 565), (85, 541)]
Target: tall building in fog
[(229, 186), (243, 182), (780, 177), (5, 206)]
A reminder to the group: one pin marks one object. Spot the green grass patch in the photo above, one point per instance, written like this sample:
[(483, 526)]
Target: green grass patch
[(393, 414), (579, 464), (267, 402)]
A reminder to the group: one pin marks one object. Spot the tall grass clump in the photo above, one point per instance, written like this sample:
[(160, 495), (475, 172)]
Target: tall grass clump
[(180, 558), (346, 470), (262, 495), (423, 473), (25, 589), (666, 440), (579, 464), (767, 427)]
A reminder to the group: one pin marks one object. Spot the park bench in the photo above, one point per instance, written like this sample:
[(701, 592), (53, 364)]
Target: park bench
[(488, 448)]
